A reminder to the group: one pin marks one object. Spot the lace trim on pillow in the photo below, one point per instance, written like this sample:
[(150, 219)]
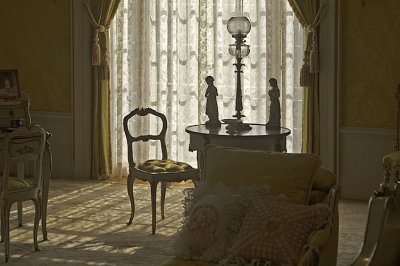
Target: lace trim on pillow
[(241, 194), (235, 202)]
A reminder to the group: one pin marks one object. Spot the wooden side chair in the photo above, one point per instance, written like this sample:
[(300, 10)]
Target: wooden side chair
[(14, 113), (154, 171), (22, 146)]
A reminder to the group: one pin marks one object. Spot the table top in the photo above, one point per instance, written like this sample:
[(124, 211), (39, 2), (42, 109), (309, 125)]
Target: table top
[(257, 130)]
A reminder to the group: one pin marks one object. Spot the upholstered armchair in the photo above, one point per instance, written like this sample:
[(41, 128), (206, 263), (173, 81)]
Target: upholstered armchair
[(391, 161), (382, 233), (297, 178)]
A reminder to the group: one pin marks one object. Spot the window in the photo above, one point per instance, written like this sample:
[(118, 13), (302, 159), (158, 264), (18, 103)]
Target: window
[(161, 52)]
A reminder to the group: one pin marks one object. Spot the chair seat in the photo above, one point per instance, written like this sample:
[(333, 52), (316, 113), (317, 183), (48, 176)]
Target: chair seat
[(392, 158), (159, 166), (15, 184)]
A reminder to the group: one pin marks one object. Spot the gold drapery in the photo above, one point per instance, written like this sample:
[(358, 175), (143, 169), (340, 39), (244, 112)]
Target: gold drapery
[(101, 13), (309, 14), (311, 115)]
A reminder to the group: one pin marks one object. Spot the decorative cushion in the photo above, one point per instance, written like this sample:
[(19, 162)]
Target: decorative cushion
[(212, 221), (275, 231), (180, 262), (163, 166), (324, 180), (317, 196), (15, 184), (392, 158), (290, 174)]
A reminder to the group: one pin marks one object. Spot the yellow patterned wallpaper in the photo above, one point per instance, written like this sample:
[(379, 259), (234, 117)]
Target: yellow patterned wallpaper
[(371, 62), (36, 39)]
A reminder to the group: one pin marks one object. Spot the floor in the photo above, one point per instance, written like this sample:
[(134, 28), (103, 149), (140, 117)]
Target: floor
[(87, 226), (352, 223)]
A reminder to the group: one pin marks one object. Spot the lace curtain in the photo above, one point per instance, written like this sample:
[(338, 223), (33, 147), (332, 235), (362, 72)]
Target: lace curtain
[(161, 52)]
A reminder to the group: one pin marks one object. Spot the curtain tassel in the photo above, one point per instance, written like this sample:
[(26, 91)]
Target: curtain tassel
[(314, 55), (305, 76), (96, 51)]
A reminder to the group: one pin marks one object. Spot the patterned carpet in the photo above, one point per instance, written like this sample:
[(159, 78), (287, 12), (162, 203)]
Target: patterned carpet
[(87, 226)]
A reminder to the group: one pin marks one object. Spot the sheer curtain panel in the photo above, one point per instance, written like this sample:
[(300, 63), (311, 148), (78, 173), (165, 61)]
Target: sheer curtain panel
[(161, 52)]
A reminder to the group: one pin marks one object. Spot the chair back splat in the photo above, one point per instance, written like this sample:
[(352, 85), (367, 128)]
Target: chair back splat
[(160, 137)]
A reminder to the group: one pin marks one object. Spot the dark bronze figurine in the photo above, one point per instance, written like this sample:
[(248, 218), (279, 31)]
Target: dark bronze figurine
[(211, 105), (275, 107)]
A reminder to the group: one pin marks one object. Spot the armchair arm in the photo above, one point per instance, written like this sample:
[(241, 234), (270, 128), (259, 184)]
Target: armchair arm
[(328, 253), (382, 239)]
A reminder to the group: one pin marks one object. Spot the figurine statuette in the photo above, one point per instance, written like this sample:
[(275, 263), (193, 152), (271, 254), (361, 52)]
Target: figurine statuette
[(274, 121), (211, 105)]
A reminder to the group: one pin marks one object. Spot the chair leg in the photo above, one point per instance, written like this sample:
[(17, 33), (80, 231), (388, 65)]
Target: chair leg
[(196, 181), (129, 184), (19, 207), (163, 190), (153, 189), (5, 215), (36, 223), (20, 175), (43, 210)]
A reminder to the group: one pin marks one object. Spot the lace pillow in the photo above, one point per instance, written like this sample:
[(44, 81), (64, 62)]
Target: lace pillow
[(275, 231), (212, 221)]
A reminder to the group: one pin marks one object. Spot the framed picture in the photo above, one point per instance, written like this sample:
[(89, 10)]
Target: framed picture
[(9, 84)]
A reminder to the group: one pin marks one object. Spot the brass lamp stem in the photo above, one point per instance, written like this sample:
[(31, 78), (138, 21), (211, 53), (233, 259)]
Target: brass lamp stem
[(238, 103)]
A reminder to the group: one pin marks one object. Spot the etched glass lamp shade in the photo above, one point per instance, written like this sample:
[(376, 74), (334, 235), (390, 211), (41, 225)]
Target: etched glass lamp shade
[(239, 26), (241, 50)]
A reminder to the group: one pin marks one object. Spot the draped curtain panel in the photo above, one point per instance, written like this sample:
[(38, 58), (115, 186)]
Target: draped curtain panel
[(309, 14), (100, 14), (161, 52)]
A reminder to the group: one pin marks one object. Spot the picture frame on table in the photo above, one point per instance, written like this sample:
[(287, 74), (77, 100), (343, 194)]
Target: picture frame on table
[(9, 84)]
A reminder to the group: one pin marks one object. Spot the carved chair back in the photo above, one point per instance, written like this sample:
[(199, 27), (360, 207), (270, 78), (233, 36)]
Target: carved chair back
[(158, 137), (14, 113), (22, 146)]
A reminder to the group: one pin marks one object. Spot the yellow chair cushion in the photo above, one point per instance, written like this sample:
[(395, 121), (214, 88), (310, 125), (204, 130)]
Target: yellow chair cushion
[(15, 184), (284, 173), (158, 166), (392, 158)]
